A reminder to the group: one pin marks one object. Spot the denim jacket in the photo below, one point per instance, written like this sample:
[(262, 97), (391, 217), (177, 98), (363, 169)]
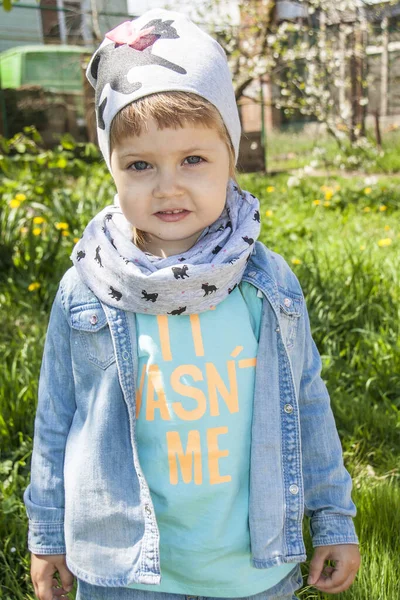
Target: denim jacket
[(88, 496)]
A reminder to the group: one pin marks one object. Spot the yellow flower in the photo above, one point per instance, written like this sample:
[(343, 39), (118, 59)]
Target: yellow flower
[(268, 213), (327, 203), (76, 240), (270, 189), (61, 163), (61, 225), (367, 190), (33, 286), (39, 220), (384, 242), (317, 202), (14, 203), (387, 227), (24, 230), (296, 261), (20, 197), (323, 188), (362, 247), (337, 187), (36, 231), (328, 194), (65, 233), (382, 207), (367, 209)]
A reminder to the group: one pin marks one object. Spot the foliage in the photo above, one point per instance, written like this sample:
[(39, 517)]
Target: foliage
[(317, 63), (341, 238)]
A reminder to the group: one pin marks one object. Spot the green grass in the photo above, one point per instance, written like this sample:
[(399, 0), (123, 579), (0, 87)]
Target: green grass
[(351, 285), (295, 148)]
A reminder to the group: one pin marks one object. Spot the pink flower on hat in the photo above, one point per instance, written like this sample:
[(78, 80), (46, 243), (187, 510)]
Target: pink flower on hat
[(127, 34)]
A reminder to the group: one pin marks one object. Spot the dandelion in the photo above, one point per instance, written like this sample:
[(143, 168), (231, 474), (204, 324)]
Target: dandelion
[(61, 163), (328, 194), (387, 227), (384, 242), (36, 231), (39, 220), (317, 202), (337, 187), (367, 209), (20, 197), (65, 233), (270, 189), (327, 203), (61, 226), (382, 208), (367, 190), (24, 230), (268, 213), (296, 261), (14, 203), (76, 240), (33, 286)]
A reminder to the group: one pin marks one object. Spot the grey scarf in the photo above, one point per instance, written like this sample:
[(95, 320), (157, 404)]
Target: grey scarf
[(122, 275)]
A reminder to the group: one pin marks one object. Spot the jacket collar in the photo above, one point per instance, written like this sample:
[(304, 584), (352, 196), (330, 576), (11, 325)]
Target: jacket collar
[(261, 273)]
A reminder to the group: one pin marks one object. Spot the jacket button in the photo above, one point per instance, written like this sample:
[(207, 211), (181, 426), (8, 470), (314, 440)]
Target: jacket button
[(277, 330), (125, 355), (147, 509), (288, 408), (93, 319), (287, 302), (294, 489)]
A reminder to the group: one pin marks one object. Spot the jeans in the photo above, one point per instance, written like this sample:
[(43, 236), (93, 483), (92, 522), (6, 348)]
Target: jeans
[(284, 590)]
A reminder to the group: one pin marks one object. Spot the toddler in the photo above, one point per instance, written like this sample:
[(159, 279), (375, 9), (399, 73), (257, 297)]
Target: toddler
[(182, 429)]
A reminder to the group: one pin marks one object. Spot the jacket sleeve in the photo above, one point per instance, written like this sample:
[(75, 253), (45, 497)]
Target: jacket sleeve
[(44, 496), (327, 484)]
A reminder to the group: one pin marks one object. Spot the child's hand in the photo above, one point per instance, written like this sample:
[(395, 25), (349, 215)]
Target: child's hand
[(43, 568), (333, 580)]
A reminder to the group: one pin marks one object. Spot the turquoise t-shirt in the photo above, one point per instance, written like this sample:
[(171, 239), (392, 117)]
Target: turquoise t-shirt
[(194, 413)]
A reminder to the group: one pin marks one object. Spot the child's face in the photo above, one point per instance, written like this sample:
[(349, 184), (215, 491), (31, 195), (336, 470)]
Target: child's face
[(183, 169)]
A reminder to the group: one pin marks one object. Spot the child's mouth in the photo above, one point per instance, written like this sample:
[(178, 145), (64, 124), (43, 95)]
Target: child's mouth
[(170, 216)]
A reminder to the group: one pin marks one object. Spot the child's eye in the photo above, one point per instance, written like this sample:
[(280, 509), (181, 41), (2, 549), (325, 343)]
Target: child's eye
[(194, 160), (139, 165)]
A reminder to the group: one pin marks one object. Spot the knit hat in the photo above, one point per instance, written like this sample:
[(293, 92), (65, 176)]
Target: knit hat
[(160, 51)]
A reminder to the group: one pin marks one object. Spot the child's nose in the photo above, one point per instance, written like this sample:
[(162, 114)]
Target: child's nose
[(167, 184)]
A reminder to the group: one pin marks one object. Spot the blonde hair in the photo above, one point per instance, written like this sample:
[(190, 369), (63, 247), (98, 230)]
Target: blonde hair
[(171, 109)]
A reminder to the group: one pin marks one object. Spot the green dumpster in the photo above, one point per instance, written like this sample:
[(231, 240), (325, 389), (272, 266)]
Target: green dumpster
[(55, 68)]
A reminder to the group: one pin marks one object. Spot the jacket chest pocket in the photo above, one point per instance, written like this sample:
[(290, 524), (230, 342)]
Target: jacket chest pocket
[(290, 312), (92, 335)]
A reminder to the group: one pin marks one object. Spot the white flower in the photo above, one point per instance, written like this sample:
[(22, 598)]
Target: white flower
[(373, 180), (308, 169), (293, 182), (13, 549)]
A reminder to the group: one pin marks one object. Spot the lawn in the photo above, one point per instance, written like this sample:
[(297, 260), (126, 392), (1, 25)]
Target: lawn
[(341, 237)]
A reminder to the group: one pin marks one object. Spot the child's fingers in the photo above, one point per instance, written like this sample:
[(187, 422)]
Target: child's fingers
[(335, 581), (58, 590), (66, 577), (44, 590)]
